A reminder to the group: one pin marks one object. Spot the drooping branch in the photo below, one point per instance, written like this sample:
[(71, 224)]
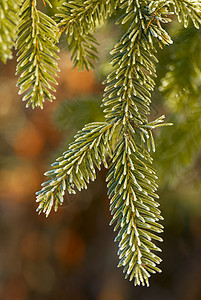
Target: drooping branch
[(9, 18), (76, 167), (131, 178), (79, 20), (37, 58)]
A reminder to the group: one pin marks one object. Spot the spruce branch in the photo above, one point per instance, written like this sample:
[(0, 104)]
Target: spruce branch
[(126, 135), (131, 178), (9, 19), (131, 188), (37, 58), (187, 10), (128, 87), (79, 20), (77, 166)]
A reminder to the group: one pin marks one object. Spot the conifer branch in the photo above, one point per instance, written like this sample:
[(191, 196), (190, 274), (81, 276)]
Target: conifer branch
[(131, 188), (131, 179), (78, 20), (76, 167), (132, 185), (9, 10), (188, 10), (37, 36), (126, 135)]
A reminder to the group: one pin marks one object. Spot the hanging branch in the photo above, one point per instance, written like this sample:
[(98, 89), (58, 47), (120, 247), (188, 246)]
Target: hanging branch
[(79, 20), (8, 22), (131, 180), (73, 170), (125, 139), (37, 58), (187, 10)]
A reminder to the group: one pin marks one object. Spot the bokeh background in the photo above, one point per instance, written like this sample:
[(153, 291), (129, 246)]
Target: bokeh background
[(71, 254)]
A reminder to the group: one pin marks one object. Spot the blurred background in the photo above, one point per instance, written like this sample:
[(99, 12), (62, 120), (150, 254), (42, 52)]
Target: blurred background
[(71, 254)]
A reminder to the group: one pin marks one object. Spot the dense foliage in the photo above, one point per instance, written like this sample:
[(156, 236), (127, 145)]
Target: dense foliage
[(124, 141)]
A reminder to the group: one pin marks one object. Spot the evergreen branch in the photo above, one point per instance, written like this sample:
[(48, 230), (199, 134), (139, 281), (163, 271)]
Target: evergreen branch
[(8, 22), (76, 167), (79, 19), (188, 10), (128, 100), (129, 86), (131, 179), (37, 36), (131, 188)]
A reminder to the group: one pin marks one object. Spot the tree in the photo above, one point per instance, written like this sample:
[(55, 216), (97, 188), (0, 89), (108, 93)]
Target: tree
[(124, 141)]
